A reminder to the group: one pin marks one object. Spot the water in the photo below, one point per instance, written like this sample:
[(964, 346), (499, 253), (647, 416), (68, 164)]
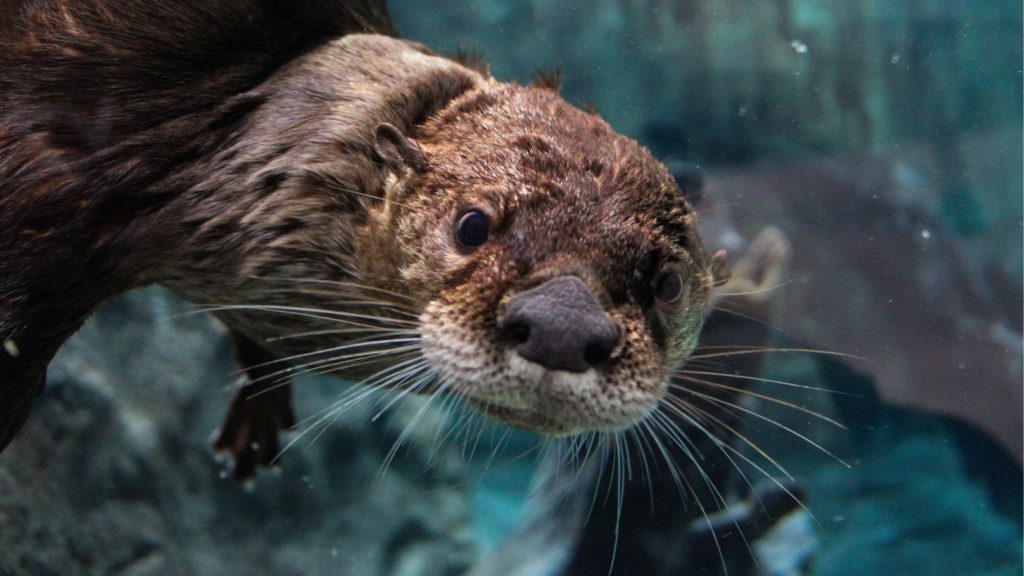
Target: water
[(866, 157), (884, 141)]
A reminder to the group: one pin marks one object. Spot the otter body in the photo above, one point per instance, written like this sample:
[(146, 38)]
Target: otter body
[(340, 198)]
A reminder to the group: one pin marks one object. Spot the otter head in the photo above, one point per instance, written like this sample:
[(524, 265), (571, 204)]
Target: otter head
[(558, 262)]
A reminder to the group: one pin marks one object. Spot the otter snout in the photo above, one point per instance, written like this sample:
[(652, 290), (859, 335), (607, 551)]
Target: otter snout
[(560, 325)]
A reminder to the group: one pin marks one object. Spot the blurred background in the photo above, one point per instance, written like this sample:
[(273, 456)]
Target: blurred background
[(878, 143)]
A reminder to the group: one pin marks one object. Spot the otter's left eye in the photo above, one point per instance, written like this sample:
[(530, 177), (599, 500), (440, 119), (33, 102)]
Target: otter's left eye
[(669, 287), (474, 229)]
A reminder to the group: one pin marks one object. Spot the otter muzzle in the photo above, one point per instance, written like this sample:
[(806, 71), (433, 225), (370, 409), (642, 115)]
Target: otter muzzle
[(560, 325)]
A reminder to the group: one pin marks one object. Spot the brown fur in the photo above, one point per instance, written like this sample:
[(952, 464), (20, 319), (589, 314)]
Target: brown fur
[(567, 196), (211, 152)]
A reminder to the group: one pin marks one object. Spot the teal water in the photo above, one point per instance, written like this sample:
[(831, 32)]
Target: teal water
[(916, 103), (878, 148)]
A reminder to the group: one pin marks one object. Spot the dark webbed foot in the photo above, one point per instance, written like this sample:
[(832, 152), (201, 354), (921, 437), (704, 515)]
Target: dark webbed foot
[(260, 409)]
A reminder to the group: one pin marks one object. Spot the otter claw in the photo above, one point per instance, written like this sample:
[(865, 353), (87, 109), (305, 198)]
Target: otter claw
[(761, 269), (259, 410), (249, 433)]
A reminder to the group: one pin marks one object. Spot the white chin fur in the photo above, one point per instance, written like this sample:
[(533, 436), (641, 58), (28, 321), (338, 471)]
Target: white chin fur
[(573, 402)]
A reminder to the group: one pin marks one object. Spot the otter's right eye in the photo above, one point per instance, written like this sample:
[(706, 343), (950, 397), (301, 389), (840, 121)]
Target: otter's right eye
[(473, 230), (669, 287)]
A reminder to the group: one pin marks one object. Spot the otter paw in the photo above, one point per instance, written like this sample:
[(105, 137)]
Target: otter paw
[(768, 258), (250, 430), (760, 270)]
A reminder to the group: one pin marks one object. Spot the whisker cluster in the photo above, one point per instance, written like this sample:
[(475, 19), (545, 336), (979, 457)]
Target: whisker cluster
[(698, 418)]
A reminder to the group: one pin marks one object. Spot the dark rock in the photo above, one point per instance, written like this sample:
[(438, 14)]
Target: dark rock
[(113, 475)]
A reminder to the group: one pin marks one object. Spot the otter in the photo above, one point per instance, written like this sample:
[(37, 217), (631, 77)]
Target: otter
[(347, 202)]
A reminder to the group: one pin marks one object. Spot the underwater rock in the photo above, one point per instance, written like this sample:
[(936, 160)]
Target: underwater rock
[(113, 474)]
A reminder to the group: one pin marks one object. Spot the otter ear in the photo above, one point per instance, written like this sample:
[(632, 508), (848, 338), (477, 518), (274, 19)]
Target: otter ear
[(719, 267), (397, 151)]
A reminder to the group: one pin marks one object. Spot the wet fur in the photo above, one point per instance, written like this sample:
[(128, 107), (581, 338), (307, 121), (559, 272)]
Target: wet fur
[(127, 158), (202, 149), (568, 196)]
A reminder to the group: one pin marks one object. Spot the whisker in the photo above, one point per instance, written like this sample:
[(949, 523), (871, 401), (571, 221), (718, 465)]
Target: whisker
[(750, 462), (344, 331), (722, 445), (719, 499), (619, 495), (659, 419), (328, 365), (684, 371), (765, 397), (410, 389), (454, 403), (638, 437), (328, 315), (675, 408), (759, 290), (413, 354), (339, 348), (345, 299), (737, 313), (476, 442), (372, 384), (389, 385), (340, 284), (497, 448), (353, 361), (604, 450), (710, 209), (215, 308), (333, 416), (771, 421), (743, 350), (410, 425), (347, 401)]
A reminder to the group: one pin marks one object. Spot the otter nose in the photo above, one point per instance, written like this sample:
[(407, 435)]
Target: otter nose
[(560, 325)]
